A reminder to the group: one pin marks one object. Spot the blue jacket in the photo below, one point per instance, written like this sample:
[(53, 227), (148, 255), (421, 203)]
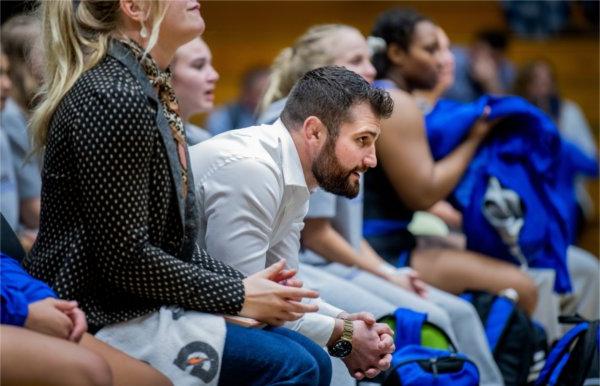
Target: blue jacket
[(526, 154), (19, 290)]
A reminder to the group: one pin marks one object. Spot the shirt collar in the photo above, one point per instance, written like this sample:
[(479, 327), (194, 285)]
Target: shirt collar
[(291, 167)]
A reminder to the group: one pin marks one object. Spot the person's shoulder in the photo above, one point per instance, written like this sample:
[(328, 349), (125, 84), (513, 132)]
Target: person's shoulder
[(272, 112), (246, 142), (400, 96), (244, 172), (108, 89), (236, 149), (569, 105), (405, 106), (195, 134), (109, 78), (12, 115), (571, 114)]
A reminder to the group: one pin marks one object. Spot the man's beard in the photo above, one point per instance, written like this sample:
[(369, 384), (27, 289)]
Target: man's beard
[(333, 177)]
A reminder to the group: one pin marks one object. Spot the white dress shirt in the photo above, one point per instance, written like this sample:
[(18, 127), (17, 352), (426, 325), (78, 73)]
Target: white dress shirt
[(252, 199)]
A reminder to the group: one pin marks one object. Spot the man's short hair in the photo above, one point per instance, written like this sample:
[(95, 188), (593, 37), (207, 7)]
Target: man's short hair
[(329, 93)]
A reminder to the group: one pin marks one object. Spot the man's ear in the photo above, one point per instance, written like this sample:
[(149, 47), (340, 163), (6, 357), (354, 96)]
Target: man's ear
[(314, 131), (134, 9), (396, 54)]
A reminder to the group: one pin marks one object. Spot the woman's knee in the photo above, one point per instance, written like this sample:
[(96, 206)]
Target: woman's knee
[(92, 370)]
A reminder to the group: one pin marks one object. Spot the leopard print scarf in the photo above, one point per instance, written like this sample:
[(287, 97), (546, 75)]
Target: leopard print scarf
[(161, 81)]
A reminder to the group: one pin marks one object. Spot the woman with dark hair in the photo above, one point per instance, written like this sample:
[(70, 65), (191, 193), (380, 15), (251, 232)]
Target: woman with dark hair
[(118, 222), (462, 269), (408, 176), (582, 266)]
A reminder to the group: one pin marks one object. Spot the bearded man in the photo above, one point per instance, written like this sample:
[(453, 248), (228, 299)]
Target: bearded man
[(253, 186)]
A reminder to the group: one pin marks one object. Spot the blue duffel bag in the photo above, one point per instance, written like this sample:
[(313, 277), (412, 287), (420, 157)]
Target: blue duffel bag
[(414, 364)]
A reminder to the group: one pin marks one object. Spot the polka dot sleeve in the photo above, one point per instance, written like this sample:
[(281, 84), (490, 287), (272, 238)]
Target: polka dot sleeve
[(113, 142), (202, 258)]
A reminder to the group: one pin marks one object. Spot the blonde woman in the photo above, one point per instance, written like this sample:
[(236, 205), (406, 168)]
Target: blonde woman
[(118, 223), (338, 261), (194, 82)]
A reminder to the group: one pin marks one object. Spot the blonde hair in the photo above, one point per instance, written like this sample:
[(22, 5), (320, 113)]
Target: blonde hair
[(76, 36), (310, 51)]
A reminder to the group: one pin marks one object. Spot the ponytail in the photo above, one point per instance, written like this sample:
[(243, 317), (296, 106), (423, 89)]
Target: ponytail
[(310, 51), (279, 70), (75, 37)]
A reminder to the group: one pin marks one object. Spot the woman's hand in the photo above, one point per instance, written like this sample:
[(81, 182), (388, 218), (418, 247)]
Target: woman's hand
[(50, 316), (79, 324), (271, 302), (410, 281), (482, 126)]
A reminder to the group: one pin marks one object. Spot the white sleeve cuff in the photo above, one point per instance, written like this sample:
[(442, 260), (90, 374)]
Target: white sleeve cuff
[(327, 309), (314, 326)]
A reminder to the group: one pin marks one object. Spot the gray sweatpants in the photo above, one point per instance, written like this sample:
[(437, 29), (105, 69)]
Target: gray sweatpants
[(355, 290), (584, 269)]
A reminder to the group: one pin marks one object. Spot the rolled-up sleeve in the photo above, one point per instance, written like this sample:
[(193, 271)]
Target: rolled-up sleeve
[(239, 226)]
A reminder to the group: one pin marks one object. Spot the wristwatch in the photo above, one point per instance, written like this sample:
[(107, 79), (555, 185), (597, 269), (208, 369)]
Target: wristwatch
[(343, 347)]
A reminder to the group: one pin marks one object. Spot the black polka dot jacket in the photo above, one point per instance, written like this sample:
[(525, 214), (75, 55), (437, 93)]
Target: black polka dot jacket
[(116, 233)]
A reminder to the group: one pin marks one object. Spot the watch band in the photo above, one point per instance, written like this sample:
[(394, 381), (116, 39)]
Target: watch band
[(348, 330), (343, 346)]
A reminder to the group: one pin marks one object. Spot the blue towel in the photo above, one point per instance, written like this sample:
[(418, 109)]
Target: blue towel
[(526, 154)]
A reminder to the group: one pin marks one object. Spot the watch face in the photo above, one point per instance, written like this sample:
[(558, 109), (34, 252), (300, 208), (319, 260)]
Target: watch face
[(341, 348)]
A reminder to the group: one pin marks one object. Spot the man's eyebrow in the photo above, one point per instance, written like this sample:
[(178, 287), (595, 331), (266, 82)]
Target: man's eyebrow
[(372, 132)]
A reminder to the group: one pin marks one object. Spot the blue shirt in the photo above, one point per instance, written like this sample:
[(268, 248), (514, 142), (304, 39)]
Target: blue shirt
[(19, 290), (230, 117)]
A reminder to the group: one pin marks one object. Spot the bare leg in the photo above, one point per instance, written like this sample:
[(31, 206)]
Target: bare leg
[(31, 358), (126, 370), (455, 271)]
